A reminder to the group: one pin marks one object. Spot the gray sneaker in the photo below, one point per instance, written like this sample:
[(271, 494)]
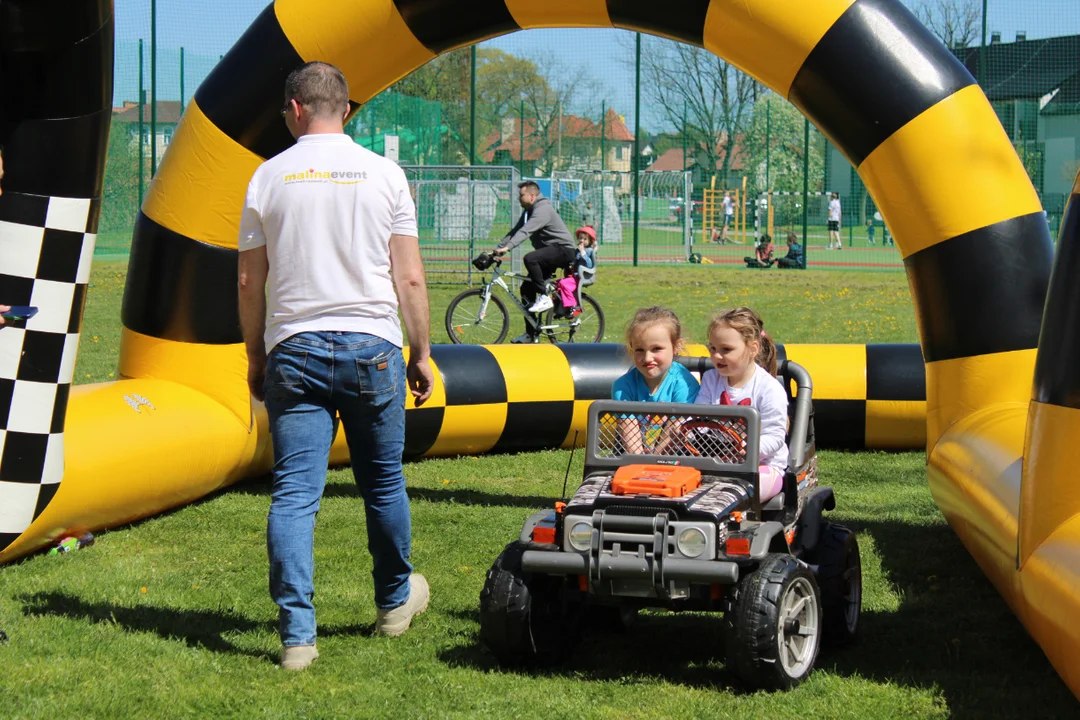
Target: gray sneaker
[(524, 339), (392, 623), (298, 657)]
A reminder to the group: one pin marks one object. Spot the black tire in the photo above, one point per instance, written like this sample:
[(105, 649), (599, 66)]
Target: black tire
[(839, 577), (524, 619), (464, 326), (764, 647), (585, 328)]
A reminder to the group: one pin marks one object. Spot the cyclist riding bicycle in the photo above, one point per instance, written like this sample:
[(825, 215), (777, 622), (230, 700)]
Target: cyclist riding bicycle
[(553, 245)]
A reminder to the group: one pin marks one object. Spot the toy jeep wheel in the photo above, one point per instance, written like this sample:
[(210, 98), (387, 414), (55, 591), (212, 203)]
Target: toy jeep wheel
[(523, 619), (840, 579), (772, 630)]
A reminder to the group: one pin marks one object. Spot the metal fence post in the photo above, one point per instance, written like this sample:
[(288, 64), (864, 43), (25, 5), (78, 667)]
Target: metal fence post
[(851, 195), (181, 80), (153, 88), (805, 191), (371, 127), (982, 51), (768, 140), (634, 163), (142, 101), (472, 105)]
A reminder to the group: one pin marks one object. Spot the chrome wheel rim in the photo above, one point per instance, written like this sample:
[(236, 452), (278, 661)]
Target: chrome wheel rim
[(799, 629)]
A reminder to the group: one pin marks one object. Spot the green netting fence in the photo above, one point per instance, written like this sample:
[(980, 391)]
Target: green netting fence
[(650, 131)]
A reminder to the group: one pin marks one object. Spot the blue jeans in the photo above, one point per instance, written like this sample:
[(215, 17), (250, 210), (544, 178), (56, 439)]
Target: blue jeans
[(309, 377)]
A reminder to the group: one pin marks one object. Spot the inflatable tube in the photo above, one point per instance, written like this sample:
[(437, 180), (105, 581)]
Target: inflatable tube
[(56, 83), (180, 444), (901, 107)]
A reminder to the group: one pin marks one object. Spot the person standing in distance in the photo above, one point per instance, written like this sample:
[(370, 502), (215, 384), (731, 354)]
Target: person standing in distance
[(834, 222), (588, 217), (329, 231), (553, 248), (729, 214)]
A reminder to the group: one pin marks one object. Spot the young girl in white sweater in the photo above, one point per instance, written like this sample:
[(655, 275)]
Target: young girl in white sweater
[(744, 373)]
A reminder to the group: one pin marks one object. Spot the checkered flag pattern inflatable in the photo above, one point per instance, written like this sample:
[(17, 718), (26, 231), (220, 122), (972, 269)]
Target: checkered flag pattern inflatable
[(672, 435), (47, 244)]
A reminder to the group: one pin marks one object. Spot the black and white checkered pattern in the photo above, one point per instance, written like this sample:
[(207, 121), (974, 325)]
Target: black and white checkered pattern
[(46, 246)]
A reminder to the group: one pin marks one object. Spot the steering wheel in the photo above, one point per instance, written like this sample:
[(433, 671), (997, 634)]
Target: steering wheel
[(724, 440)]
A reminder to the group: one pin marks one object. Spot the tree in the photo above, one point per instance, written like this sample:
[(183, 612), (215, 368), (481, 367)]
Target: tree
[(955, 22), (776, 129), (507, 85), (445, 80), (708, 99), (120, 189)]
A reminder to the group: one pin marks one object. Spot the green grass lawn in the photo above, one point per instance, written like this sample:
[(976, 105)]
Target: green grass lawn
[(798, 307), (171, 616)]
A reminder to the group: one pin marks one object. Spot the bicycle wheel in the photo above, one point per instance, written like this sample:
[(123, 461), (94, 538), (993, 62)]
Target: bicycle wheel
[(470, 323), (586, 327)]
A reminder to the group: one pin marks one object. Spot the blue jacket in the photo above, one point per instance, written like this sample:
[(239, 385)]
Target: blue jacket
[(794, 252)]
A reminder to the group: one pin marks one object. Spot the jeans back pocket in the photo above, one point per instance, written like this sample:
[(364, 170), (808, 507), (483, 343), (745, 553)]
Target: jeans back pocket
[(285, 373), (378, 377)]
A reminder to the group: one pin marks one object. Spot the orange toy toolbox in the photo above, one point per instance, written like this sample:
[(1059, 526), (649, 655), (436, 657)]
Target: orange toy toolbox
[(665, 480)]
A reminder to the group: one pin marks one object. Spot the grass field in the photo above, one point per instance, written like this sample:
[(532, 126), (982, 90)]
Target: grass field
[(170, 617), (658, 242)]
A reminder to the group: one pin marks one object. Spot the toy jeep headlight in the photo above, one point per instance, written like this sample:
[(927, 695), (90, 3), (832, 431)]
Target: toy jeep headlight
[(691, 542), (580, 536)]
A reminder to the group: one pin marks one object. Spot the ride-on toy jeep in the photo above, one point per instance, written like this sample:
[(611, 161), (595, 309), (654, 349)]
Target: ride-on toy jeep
[(668, 516)]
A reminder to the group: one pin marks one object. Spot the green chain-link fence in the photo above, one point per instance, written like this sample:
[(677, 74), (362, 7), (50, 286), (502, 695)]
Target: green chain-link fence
[(605, 116)]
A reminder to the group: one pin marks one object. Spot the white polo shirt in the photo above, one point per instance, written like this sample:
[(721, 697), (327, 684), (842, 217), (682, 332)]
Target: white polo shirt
[(325, 209)]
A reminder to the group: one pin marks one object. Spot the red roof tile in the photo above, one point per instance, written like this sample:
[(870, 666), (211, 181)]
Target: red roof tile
[(673, 159), (168, 112), (573, 126)]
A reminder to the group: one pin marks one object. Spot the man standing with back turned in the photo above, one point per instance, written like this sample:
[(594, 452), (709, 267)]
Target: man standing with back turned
[(323, 225)]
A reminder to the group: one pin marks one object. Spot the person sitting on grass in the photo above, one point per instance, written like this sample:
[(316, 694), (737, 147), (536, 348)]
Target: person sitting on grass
[(763, 254), (794, 257)]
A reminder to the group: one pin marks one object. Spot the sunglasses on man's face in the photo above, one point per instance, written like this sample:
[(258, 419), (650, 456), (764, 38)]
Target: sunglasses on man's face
[(288, 106)]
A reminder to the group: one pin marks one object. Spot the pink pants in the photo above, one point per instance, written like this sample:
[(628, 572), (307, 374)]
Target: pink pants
[(770, 483), (567, 287)]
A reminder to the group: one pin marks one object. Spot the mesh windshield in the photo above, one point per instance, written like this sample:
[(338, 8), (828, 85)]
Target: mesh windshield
[(671, 435)]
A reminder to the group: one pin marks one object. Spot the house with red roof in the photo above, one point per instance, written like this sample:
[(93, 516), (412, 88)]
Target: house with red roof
[(168, 117), (574, 142), (696, 161)]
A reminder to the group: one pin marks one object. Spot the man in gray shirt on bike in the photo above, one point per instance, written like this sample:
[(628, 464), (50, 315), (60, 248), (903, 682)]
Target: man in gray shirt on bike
[(554, 249)]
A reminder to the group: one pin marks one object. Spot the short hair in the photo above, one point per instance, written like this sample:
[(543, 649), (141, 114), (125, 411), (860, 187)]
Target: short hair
[(529, 185), (320, 87)]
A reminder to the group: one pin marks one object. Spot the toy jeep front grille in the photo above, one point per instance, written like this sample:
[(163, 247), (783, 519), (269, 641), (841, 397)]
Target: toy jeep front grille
[(638, 510)]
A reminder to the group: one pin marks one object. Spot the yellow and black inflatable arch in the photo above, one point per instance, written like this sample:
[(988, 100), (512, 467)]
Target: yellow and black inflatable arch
[(905, 112), (899, 105)]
